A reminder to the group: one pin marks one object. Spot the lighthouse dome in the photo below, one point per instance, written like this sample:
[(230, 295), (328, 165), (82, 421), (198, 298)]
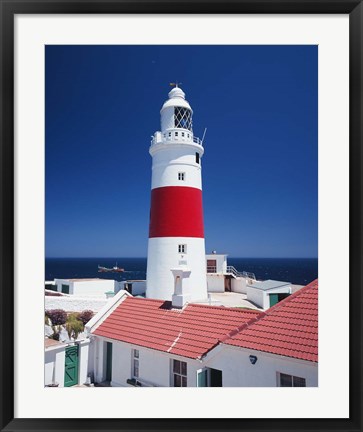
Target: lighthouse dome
[(176, 111), (176, 98)]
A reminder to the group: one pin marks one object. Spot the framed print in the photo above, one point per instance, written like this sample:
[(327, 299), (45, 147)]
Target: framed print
[(158, 273)]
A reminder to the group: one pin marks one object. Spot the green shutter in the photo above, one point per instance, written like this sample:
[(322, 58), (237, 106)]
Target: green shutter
[(202, 378), (274, 298)]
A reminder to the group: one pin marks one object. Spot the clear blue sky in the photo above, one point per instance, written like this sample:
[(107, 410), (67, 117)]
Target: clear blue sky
[(260, 167)]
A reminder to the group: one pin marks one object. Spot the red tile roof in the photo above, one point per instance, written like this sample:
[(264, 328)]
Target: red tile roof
[(190, 332), (290, 328)]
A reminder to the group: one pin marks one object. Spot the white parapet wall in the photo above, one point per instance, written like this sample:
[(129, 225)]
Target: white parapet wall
[(215, 282), (239, 285)]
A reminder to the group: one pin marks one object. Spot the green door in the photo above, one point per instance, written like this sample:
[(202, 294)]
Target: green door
[(109, 362), (274, 298), (71, 366)]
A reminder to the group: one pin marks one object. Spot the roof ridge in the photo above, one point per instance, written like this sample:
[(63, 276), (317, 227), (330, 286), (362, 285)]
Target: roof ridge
[(233, 309)]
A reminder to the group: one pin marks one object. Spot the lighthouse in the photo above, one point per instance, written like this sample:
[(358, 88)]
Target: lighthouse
[(176, 267)]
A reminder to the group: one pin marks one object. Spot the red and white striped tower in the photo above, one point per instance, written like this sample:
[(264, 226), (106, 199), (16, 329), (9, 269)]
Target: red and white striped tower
[(176, 234)]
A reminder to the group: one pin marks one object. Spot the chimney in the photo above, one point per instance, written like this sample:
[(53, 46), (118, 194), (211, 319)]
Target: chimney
[(180, 297)]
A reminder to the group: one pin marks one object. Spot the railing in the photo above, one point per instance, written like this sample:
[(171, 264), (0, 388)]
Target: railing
[(158, 138), (232, 270), (249, 275)]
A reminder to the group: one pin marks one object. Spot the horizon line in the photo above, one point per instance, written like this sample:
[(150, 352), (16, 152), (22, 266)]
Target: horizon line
[(139, 257)]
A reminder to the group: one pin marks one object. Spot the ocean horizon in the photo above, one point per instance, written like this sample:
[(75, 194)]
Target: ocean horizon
[(300, 271)]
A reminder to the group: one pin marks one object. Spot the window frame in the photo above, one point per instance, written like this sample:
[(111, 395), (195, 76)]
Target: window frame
[(135, 361), (293, 379), (182, 248), (181, 374)]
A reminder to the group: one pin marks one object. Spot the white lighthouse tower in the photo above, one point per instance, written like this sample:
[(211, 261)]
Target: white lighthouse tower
[(176, 249)]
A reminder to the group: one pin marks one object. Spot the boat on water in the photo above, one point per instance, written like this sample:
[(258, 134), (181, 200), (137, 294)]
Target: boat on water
[(114, 269)]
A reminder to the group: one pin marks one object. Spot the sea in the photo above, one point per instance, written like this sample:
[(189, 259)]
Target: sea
[(299, 271)]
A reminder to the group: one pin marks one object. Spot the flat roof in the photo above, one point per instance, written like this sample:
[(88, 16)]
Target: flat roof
[(268, 284), (83, 279)]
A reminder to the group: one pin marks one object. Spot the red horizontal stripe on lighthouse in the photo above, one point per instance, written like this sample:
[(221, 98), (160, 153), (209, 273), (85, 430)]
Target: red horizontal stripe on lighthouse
[(176, 211)]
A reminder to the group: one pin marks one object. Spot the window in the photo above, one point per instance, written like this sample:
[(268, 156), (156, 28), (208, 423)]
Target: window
[(183, 134), (179, 373), (176, 133), (135, 363), (182, 248), (197, 157), (170, 134), (181, 176), (291, 381), (65, 289), (183, 118)]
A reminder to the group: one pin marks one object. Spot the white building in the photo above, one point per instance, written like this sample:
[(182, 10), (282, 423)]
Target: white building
[(222, 277), (92, 287), (145, 342), (266, 294), (66, 364), (135, 287), (176, 248)]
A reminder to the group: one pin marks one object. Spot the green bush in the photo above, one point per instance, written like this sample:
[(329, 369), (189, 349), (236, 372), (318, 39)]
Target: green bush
[(74, 326)]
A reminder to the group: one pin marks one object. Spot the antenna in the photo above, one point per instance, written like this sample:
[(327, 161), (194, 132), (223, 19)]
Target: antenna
[(175, 84), (205, 131)]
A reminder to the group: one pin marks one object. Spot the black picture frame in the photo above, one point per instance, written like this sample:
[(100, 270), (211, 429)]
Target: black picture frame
[(8, 11)]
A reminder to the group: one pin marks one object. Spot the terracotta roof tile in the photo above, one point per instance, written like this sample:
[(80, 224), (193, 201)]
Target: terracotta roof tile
[(190, 332), (289, 328)]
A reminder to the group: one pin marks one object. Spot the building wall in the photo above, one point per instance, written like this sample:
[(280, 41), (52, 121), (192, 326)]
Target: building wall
[(221, 262), (89, 288), (54, 366), (239, 285), (237, 370), (83, 359), (138, 286), (261, 298), (255, 296), (55, 363), (154, 366), (215, 282)]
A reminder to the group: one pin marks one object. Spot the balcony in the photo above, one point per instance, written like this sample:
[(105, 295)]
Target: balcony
[(175, 137)]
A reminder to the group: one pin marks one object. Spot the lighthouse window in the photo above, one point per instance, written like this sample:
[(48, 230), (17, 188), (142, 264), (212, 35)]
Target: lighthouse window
[(176, 133), (183, 118), (181, 176), (197, 157), (170, 134), (182, 248)]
